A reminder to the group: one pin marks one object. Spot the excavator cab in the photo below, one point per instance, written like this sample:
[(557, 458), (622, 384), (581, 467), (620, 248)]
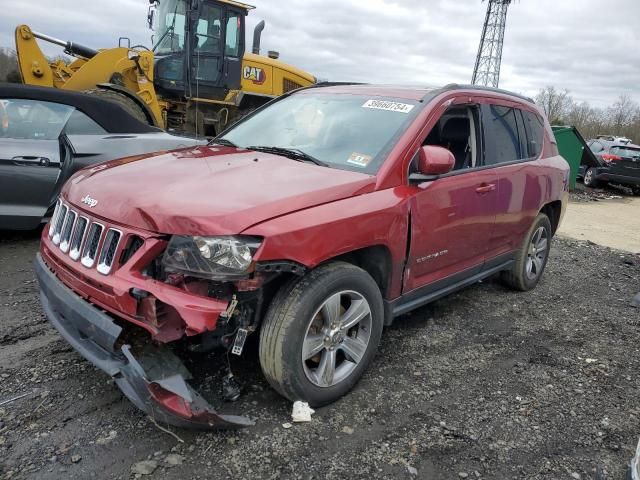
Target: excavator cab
[(199, 46)]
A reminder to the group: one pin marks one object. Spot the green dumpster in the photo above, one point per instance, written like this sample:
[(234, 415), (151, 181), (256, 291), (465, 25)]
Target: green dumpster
[(573, 148)]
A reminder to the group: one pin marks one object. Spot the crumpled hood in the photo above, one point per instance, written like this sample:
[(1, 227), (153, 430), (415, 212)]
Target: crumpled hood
[(207, 190)]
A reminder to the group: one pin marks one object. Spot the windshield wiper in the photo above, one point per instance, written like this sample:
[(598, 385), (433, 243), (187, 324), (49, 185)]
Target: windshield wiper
[(293, 153), (222, 141)]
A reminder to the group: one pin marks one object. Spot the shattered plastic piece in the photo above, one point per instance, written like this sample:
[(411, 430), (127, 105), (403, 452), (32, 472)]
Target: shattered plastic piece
[(287, 425), (591, 360), (301, 412), (636, 301), (634, 466), (145, 467)]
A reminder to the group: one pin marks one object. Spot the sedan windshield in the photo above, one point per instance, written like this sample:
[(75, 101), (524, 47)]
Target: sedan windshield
[(349, 132)]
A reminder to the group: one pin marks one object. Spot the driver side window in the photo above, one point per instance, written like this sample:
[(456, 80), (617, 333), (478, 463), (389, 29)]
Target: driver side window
[(458, 131)]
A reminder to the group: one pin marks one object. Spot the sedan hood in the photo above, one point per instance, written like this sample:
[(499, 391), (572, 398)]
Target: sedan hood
[(207, 190)]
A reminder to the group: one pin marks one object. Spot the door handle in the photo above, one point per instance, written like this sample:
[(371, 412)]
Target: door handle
[(31, 160), (485, 188)]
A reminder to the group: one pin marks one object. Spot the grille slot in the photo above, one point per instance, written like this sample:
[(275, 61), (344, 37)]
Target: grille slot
[(76, 238), (108, 253), (57, 229), (54, 217), (135, 242), (91, 245), (67, 228)]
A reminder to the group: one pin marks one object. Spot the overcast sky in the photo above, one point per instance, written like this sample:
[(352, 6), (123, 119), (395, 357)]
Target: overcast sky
[(591, 47)]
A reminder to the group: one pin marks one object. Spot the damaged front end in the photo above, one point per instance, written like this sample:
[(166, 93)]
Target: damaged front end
[(150, 375)]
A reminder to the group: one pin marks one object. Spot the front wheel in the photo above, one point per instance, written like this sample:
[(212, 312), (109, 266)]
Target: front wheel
[(321, 332)]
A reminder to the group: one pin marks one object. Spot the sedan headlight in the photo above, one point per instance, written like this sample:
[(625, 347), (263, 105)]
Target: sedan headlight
[(215, 258)]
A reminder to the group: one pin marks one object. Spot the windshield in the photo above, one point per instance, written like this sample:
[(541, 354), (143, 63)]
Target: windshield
[(171, 22), (349, 132), (626, 151)]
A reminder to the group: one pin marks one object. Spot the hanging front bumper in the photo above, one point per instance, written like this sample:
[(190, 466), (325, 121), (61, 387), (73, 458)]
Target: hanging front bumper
[(151, 376)]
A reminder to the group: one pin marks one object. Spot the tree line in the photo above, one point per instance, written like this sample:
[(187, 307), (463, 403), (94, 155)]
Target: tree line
[(9, 66), (622, 118)]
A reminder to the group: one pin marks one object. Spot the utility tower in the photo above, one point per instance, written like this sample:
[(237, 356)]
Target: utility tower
[(487, 69)]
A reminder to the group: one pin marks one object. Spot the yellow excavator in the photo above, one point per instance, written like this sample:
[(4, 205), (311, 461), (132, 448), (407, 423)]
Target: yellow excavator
[(196, 79)]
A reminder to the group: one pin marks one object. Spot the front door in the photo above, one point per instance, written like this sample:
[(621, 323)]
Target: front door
[(205, 67), (30, 159), (452, 217)]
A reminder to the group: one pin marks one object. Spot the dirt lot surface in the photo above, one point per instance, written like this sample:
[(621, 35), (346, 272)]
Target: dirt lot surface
[(606, 217), (486, 383)]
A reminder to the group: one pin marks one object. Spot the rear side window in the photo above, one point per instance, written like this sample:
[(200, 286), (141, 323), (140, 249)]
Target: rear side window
[(81, 124), (502, 142), (534, 126), (232, 44)]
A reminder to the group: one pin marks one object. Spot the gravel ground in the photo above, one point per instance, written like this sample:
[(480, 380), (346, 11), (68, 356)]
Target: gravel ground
[(486, 383)]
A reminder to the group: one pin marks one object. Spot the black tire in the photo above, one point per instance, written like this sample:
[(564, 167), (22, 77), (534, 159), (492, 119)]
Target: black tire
[(519, 277), (589, 179), (288, 321), (129, 105), (636, 191)]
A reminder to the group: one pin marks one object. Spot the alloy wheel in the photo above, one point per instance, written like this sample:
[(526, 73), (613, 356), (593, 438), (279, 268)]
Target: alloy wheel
[(537, 253), (337, 338)]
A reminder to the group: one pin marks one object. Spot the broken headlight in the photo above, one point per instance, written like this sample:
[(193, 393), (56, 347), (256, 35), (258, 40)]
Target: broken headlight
[(215, 258)]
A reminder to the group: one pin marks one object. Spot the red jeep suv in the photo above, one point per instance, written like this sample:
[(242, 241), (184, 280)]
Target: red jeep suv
[(313, 222)]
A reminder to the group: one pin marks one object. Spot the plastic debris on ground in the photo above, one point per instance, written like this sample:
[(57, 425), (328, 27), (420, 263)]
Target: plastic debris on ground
[(301, 412)]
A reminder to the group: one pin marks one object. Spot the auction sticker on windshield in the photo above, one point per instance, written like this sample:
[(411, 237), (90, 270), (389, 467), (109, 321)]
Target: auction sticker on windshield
[(359, 159), (391, 106)]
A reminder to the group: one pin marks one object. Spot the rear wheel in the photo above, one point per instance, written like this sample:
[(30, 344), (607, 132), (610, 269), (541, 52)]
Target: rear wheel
[(321, 332), (590, 178), (123, 101), (532, 256)]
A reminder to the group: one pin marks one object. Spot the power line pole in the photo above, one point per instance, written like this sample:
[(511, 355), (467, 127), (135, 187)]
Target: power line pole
[(487, 69)]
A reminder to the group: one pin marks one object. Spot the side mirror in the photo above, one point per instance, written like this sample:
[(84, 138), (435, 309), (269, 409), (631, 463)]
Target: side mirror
[(433, 161)]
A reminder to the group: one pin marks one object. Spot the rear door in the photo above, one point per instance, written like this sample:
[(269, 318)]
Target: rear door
[(30, 160), (514, 140)]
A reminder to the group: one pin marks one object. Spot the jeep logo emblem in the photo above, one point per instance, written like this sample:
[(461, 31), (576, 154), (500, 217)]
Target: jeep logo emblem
[(92, 202)]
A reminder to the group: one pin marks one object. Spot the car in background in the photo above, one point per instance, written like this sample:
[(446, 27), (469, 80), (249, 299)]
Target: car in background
[(48, 134), (613, 162), (613, 138)]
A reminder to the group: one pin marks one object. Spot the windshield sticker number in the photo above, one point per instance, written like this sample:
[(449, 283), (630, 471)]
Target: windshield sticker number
[(359, 159), (390, 106)]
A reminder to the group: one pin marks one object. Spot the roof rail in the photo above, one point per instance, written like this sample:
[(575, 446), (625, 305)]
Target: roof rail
[(457, 86)]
